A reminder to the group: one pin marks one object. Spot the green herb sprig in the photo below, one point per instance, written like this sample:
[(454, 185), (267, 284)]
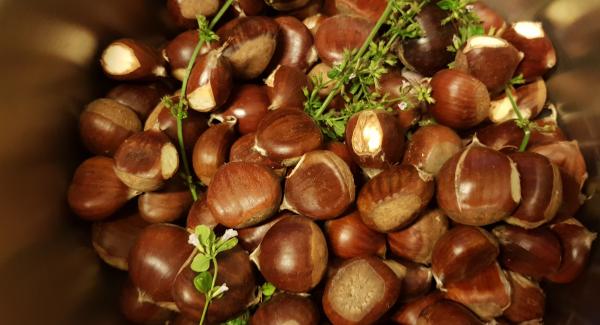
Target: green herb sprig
[(467, 22)]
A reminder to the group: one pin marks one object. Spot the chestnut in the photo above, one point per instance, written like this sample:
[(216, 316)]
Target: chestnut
[(566, 155), (403, 99), (338, 34), (248, 104), (342, 151), (212, 149), (249, 7), (184, 12), (369, 9), (286, 5), (349, 237), (321, 71), (505, 136), (243, 150), (361, 291), (295, 45), (286, 308), (178, 52), (251, 42), (374, 139), (112, 239), (552, 132), (416, 279), (235, 270), (573, 199), (145, 160), (487, 293), (462, 252), (243, 194), (136, 309), (210, 82), (530, 38), (416, 242), (96, 192), (429, 53), (576, 241), (200, 214), (533, 252), (431, 146), (493, 22), (478, 186), (409, 313), (531, 99), (155, 259), (321, 186), (461, 100), (448, 313), (285, 87), (105, 124), (314, 22), (128, 59), (527, 300), (394, 198), (250, 238), (141, 98), (293, 254), (492, 60), (541, 190), (284, 135), (166, 205)]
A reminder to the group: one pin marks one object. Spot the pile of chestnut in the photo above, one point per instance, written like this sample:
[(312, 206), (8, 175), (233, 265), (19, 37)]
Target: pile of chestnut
[(447, 223)]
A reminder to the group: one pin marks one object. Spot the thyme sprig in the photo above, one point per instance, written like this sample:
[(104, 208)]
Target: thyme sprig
[(468, 23)]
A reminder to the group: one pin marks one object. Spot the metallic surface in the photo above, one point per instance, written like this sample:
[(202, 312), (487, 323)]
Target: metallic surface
[(49, 273)]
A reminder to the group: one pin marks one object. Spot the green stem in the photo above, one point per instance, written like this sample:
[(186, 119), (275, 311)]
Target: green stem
[(523, 122), (209, 294)]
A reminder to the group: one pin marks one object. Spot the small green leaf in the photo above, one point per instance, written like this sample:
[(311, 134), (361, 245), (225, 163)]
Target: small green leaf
[(243, 319), (203, 282), (203, 233), (227, 245), (200, 263), (268, 289)]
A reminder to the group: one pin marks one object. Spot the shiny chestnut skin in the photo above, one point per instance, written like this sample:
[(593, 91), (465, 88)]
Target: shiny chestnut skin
[(360, 291), (128, 59), (428, 54), (295, 45), (286, 308), (492, 21), (178, 52), (141, 98), (339, 33), (531, 39), (313, 7), (243, 150), (568, 156), (527, 299), (184, 12), (369, 9), (293, 254), (415, 278), (409, 313), (321, 186), (395, 86), (251, 237), (342, 151), (105, 124), (248, 104), (156, 258), (211, 150), (210, 81), (200, 214), (573, 199), (235, 270), (249, 7), (394, 198), (166, 205), (530, 98), (349, 237), (137, 309), (431, 146), (507, 136), (449, 313), (243, 194), (95, 192), (286, 5), (285, 87), (462, 252), (461, 101)]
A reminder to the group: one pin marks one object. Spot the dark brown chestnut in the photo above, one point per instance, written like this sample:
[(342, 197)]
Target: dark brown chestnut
[(250, 238), (527, 301), (105, 124), (251, 44), (156, 258), (243, 194), (212, 150), (145, 160), (141, 98), (338, 34), (184, 12), (166, 205), (243, 150), (431, 146), (285, 308), (530, 38), (531, 99), (313, 7), (568, 156), (314, 22), (249, 7), (493, 22), (128, 59), (200, 214), (349, 237), (293, 254), (462, 252), (321, 186), (448, 313), (342, 151), (360, 291), (394, 198), (369, 9), (461, 100), (573, 199), (409, 313), (95, 192), (576, 241), (178, 52), (416, 242), (478, 186), (285, 87), (210, 81), (403, 99), (416, 279), (286, 5), (248, 104), (295, 45), (138, 310)]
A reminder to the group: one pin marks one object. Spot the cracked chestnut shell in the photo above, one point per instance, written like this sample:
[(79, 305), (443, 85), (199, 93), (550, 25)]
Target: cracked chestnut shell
[(527, 300), (285, 87), (530, 38), (349, 237), (431, 146), (184, 12), (576, 241), (339, 33), (128, 59), (531, 99), (210, 82), (178, 52), (243, 150), (286, 308)]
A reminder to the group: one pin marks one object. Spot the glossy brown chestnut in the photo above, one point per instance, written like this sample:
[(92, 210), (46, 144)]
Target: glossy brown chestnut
[(431, 146), (374, 139), (313, 7), (314, 22), (105, 124), (249, 7), (349, 237), (166, 205), (368, 9), (416, 242), (527, 301), (530, 38), (396, 86), (184, 12), (408, 314), (295, 45), (576, 241), (112, 239), (573, 199), (128, 59), (493, 22), (284, 135), (462, 252), (478, 186), (416, 279), (568, 156), (145, 160), (461, 101), (248, 104), (285, 308), (448, 313), (338, 34), (321, 186), (212, 150), (243, 150), (200, 214), (551, 134), (96, 192), (504, 136), (251, 44), (394, 198), (492, 60), (429, 53), (179, 52), (531, 99), (210, 82), (250, 238), (286, 5), (156, 258), (541, 190), (486, 293), (285, 87), (243, 194), (137, 308), (342, 151), (533, 252), (293, 254), (360, 292), (141, 98)]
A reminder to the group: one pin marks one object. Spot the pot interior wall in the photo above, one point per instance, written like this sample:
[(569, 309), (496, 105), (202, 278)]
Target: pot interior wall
[(48, 271)]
